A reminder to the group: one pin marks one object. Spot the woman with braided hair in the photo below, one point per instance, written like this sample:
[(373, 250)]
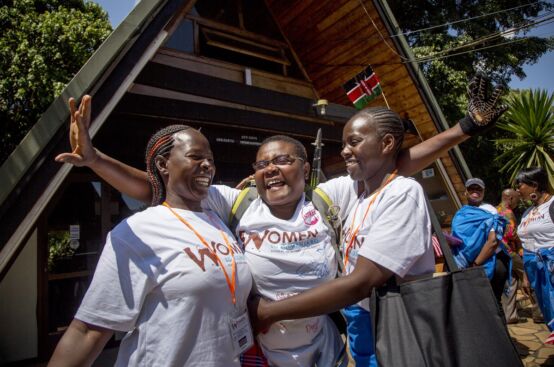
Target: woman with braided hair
[(286, 245), (172, 276)]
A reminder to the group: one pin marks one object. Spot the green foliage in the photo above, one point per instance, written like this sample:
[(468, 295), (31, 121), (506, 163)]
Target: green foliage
[(530, 122), (448, 77), (43, 43), (58, 247)]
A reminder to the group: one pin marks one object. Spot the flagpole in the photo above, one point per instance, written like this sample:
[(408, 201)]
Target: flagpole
[(385, 98)]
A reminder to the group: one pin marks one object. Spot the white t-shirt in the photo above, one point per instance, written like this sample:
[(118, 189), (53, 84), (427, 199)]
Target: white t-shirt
[(157, 281), (536, 229), (488, 207), (287, 257), (396, 233)]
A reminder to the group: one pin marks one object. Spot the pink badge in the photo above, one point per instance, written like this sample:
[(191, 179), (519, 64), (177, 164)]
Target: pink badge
[(310, 216)]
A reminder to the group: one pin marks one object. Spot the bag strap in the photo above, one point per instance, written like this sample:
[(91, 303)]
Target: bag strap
[(330, 215), (446, 251), (243, 201)]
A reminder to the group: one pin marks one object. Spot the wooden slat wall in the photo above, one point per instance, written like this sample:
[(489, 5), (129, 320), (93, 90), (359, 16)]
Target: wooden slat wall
[(335, 40)]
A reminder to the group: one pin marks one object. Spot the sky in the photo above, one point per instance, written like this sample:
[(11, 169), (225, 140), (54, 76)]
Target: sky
[(539, 75)]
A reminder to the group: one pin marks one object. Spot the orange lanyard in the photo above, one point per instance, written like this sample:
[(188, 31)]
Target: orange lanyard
[(231, 282), (355, 232)]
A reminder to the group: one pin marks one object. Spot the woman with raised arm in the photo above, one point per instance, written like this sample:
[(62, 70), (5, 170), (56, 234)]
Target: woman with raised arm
[(172, 276), (280, 230)]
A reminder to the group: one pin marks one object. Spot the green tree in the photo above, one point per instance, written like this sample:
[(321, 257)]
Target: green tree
[(43, 43), (448, 63), (530, 123)]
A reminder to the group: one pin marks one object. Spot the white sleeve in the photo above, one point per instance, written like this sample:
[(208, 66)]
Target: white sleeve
[(399, 234), (343, 192), (220, 199), (118, 289)]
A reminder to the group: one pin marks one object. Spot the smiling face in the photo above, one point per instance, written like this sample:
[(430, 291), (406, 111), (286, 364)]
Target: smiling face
[(475, 195), (188, 171), (281, 186), (525, 190), (366, 154)]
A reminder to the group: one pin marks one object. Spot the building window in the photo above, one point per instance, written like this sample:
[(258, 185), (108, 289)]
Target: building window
[(241, 32)]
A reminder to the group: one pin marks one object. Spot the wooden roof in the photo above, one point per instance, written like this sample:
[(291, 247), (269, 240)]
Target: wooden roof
[(336, 39), (333, 40)]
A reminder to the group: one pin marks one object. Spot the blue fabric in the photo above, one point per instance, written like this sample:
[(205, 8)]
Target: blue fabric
[(472, 225), (539, 268), (360, 336)]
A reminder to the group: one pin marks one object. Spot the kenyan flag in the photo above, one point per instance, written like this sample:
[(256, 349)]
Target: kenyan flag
[(363, 88)]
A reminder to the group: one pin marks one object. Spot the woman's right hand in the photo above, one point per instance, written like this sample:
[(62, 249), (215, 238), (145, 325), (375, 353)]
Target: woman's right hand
[(82, 150)]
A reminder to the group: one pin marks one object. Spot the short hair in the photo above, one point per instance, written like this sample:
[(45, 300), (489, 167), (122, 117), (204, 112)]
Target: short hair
[(386, 122), (533, 176), (160, 143), (299, 148)]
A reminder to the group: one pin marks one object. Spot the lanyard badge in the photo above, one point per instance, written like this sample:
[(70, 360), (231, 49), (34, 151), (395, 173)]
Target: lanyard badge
[(241, 333)]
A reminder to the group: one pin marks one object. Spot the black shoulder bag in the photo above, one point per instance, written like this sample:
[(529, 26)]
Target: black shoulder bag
[(444, 320)]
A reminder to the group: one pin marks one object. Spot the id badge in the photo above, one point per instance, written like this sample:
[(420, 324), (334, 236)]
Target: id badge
[(241, 333)]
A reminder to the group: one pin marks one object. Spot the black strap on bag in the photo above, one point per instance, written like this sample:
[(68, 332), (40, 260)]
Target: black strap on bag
[(445, 247)]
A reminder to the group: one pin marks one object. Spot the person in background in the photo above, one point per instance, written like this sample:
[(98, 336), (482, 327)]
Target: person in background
[(480, 228), (510, 200), (536, 232)]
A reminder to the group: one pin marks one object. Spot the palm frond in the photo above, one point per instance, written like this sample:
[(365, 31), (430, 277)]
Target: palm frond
[(530, 121)]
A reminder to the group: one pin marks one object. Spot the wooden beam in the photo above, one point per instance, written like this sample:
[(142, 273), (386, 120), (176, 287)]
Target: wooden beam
[(234, 30), (184, 81), (134, 104)]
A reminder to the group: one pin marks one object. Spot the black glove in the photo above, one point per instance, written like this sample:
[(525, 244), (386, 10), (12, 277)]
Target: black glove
[(483, 111)]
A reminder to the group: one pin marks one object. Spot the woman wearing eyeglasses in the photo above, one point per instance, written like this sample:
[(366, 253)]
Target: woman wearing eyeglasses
[(286, 244)]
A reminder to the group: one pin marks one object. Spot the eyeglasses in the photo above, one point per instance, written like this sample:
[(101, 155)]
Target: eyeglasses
[(280, 160)]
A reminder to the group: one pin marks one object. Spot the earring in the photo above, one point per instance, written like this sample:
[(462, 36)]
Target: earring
[(533, 196)]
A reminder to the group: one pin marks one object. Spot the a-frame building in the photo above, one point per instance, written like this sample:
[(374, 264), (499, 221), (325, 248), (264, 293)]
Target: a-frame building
[(241, 71)]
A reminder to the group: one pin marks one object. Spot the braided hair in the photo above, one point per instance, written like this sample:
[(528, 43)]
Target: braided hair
[(299, 148), (386, 121), (160, 143)]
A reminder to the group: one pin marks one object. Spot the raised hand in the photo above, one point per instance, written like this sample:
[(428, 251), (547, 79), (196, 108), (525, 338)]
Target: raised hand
[(82, 150), (483, 110)]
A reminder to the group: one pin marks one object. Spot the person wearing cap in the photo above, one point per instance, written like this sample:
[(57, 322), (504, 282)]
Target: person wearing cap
[(481, 229)]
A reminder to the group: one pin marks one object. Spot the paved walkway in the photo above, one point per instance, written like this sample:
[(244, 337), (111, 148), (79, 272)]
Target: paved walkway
[(529, 339)]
